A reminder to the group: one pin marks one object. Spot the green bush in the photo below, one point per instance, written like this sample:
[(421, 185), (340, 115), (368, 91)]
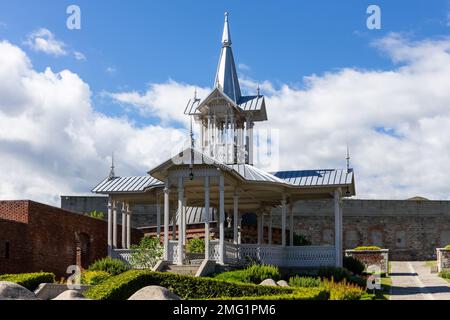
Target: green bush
[(121, 287), (447, 246), (343, 290), (319, 293), (304, 282), (94, 277), (29, 280), (147, 253), (110, 265), (196, 245), (367, 248), (445, 274), (354, 265), (252, 274), (338, 274)]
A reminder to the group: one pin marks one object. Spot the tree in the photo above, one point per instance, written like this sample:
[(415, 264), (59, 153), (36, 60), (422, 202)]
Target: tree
[(96, 214), (146, 254)]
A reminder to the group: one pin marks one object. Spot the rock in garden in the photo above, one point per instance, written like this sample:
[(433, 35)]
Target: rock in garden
[(283, 283), (154, 293), (13, 291), (269, 282), (70, 295)]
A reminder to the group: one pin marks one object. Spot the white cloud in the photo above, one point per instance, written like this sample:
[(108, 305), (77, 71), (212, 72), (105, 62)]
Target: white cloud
[(79, 56), (52, 142), (165, 100), (243, 67), (43, 40)]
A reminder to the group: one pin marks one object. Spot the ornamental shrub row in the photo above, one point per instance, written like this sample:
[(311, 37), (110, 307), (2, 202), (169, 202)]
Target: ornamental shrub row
[(445, 274), (305, 282), (29, 280), (94, 277), (343, 290), (319, 293), (253, 274), (447, 246), (121, 287)]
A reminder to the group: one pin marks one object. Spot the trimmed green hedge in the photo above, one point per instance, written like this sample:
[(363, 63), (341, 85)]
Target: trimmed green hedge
[(94, 277), (305, 282), (123, 286), (447, 246), (29, 280), (445, 274), (299, 294), (253, 274)]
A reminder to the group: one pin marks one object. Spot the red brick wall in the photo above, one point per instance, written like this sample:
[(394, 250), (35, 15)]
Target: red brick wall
[(15, 233), (14, 211), (45, 238)]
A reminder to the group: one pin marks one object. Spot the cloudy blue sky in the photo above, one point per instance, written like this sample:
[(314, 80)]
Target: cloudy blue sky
[(68, 98)]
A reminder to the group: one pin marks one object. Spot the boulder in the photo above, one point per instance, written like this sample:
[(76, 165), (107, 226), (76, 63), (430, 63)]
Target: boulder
[(283, 283), (269, 282), (154, 293), (13, 291), (70, 295)]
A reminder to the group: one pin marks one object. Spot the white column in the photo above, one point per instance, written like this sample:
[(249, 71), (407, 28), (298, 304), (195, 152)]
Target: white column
[(207, 253), (222, 220), (129, 212), (240, 229), (260, 228), (283, 221), (124, 226), (291, 224), (235, 217), (184, 234), (250, 134), (174, 225), (338, 227), (110, 226), (270, 227), (114, 224), (166, 220), (180, 221), (158, 216)]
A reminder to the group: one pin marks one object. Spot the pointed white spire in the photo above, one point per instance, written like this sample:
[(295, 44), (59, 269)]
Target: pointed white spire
[(112, 174), (226, 77), (226, 38)]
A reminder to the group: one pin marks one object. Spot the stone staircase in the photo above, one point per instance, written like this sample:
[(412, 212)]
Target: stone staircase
[(189, 270)]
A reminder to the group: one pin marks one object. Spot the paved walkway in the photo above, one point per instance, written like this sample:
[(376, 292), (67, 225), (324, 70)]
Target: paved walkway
[(414, 281)]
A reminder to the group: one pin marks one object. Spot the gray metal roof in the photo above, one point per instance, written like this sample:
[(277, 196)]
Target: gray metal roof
[(126, 184), (196, 215), (251, 173), (251, 103), (305, 178)]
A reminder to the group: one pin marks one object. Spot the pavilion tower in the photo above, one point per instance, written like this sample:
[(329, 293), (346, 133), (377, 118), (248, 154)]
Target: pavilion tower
[(227, 118)]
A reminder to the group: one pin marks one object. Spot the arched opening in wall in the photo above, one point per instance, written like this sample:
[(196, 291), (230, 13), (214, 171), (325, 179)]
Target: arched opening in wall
[(82, 250), (376, 238), (400, 239), (351, 239), (445, 238)]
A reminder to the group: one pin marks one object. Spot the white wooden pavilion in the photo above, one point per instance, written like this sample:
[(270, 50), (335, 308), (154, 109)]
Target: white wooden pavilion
[(219, 174)]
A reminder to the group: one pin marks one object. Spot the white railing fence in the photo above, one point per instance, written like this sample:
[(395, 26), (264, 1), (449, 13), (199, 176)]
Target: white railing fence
[(122, 254)]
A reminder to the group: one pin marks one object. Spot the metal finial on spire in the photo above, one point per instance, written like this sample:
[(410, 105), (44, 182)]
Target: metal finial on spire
[(112, 174), (348, 159), (258, 89)]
